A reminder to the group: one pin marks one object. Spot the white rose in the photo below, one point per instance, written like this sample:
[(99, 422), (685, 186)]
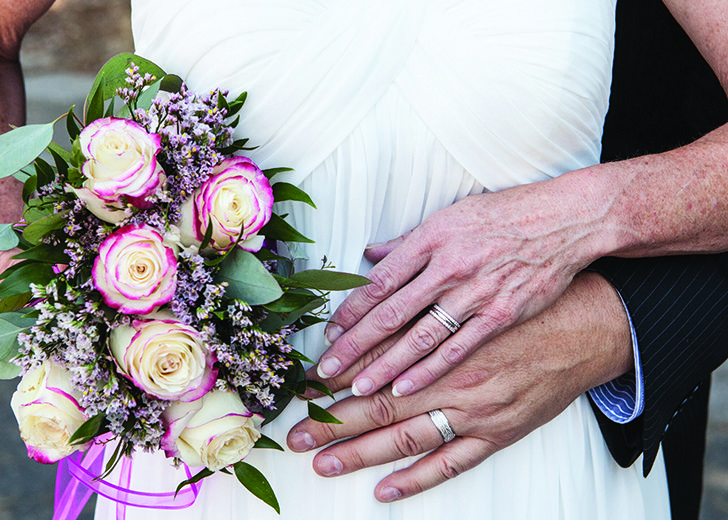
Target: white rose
[(47, 410), (215, 431), (121, 160), (165, 358)]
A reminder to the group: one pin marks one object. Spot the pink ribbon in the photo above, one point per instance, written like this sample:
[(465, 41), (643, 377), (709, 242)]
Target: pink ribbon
[(77, 480)]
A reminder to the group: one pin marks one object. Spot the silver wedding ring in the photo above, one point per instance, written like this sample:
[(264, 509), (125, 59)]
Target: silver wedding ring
[(443, 317), (442, 424)]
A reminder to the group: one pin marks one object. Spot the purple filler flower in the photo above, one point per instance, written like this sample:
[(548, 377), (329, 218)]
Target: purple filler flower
[(236, 196), (121, 161), (165, 358), (135, 272)]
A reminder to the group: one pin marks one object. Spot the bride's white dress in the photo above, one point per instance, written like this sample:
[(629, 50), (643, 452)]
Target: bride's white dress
[(390, 110)]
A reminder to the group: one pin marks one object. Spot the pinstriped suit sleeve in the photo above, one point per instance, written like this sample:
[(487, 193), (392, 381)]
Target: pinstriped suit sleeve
[(679, 308)]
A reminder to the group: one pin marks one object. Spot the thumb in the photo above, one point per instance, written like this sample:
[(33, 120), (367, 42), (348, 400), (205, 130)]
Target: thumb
[(376, 252)]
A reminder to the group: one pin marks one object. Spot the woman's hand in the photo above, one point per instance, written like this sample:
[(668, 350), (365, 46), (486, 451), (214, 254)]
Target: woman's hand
[(490, 261), (506, 389)]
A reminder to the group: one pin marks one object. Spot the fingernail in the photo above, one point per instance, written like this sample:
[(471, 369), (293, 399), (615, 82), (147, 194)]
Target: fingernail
[(362, 386), (390, 494), (332, 333), (402, 388), (328, 466), (301, 441), (329, 367), (372, 246)]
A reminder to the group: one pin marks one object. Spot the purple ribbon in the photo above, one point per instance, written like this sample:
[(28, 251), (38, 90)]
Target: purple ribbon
[(77, 480)]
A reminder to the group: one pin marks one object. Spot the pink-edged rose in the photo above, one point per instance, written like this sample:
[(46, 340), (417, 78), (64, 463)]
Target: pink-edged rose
[(135, 272), (215, 431), (236, 196), (165, 358), (121, 160), (47, 410)]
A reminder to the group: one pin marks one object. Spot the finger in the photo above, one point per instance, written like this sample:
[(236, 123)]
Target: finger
[(345, 379), (381, 322), (400, 266), (407, 438), (376, 252), (358, 415), (445, 463), (453, 351), (422, 338)]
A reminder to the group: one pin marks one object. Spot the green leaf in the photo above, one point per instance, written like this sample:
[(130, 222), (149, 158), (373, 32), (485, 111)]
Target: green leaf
[(21, 146), (44, 253), (61, 156), (10, 325), (29, 187), (257, 484), (13, 303), (272, 172), (248, 279), (113, 74), (19, 280), (208, 236), (291, 301), (8, 237), (318, 414), (204, 473), (41, 227), (88, 430), (171, 83), (9, 370), (327, 280), (267, 443), (44, 172), (319, 387), (95, 103), (287, 191), (295, 354), (279, 229), (71, 125)]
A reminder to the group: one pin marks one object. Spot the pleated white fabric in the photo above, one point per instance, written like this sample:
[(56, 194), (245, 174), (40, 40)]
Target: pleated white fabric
[(390, 110)]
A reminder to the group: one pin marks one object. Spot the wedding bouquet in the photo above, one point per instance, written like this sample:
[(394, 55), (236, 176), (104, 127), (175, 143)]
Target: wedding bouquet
[(153, 298)]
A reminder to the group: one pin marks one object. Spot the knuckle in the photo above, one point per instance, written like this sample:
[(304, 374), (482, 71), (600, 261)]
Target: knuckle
[(454, 352), (449, 468), (383, 283), (378, 410), (405, 443), (389, 317), (421, 340)]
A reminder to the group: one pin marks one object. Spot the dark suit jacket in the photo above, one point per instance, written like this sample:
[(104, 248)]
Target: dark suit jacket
[(664, 95)]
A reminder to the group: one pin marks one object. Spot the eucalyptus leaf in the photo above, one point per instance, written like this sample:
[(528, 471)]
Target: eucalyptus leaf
[(279, 229), (10, 325), (248, 279), (9, 370), (22, 145), (8, 237), (318, 414), (257, 484)]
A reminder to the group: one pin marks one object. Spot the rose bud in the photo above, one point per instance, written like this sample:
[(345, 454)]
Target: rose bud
[(135, 272), (236, 197), (121, 161), (47, 410), (215, 431), (165, 358)]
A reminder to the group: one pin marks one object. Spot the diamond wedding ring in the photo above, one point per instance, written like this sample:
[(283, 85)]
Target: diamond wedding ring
[(443, 317), (442, 424)]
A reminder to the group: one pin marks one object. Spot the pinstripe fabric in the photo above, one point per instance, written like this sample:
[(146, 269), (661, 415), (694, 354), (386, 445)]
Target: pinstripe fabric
[(679, 307)]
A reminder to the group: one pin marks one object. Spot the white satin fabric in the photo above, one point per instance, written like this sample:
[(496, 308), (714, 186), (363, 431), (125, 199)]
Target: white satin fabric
[(390, 110)]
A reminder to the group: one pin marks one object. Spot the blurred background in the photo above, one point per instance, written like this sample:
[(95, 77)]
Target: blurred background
[(60, 57)]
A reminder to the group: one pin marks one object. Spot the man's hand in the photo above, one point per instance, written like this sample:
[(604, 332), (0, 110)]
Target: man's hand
[(506, 389), (490, 261)]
